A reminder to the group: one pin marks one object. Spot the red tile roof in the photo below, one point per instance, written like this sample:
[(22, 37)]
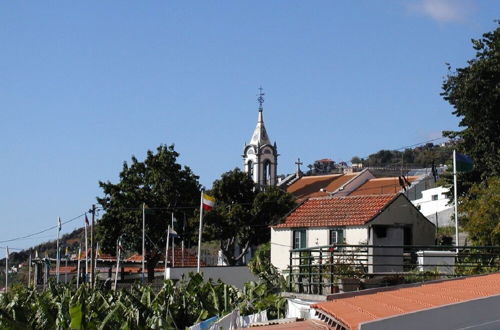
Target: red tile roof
[(381, 186), (354, 310), (190, 260), (336, 211), (309, 186)]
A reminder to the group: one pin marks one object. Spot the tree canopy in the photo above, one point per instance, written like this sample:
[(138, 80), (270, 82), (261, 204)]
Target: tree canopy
[(474, 93), (242, 214), (163, 185)]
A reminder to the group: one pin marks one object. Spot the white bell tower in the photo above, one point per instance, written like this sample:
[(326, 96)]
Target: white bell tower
[(260, 157)]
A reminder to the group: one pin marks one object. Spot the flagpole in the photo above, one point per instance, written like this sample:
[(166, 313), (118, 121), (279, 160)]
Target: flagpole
[(456, 197), (6, 269), (173, 241), (166, 250), (78, 265), (86, 250), (199, 232), (58, 253), (117, 263), (29, 271), (143, 238), (66, 264), (94, 276)]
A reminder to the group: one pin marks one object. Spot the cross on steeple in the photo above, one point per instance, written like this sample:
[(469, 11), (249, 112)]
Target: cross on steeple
[(260, 98), (298, 163)]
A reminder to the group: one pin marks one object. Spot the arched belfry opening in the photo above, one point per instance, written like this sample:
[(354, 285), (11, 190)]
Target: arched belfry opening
[(260, 157)]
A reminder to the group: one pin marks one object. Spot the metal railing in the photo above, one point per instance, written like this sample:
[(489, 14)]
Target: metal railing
[(342, 268)]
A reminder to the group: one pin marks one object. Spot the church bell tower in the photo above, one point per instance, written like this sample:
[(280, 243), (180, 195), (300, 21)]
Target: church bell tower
[(260, 157)]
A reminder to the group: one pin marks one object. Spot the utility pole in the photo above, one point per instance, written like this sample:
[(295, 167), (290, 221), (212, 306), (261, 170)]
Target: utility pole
[(92, 255)]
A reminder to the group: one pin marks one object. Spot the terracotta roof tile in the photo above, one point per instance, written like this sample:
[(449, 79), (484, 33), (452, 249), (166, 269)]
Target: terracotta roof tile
[(354, 310), (336, 211), (190, 260), (380, 186), (309, 186)]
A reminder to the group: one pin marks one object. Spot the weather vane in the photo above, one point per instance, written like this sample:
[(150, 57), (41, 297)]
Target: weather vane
[(260, 99)]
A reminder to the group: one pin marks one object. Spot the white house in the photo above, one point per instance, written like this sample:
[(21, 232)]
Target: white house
[(434, 204), (389, 219)]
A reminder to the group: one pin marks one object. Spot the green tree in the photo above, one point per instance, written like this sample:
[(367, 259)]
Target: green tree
[(482, 205), (163, 185), (474, 93), (242, 214)]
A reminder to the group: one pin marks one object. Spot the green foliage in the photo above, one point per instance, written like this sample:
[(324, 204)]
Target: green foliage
[(173, 306), (242, 214), (474, 93), (421, 156), (261, 266), (161, 183), (482, 209)]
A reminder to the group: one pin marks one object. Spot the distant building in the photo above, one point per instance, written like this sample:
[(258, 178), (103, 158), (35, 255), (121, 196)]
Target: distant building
[(435, 205)]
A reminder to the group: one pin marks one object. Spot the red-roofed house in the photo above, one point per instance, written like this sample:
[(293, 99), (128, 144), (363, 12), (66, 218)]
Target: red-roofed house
[(389, 219)]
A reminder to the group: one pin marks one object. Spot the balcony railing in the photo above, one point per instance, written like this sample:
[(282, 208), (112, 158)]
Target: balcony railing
[(341, 268)]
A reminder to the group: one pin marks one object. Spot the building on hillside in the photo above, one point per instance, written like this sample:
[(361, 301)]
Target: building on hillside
[(322, 166), (435, 205), (358, 183), (323, 185), (260, 156), (389, 219)]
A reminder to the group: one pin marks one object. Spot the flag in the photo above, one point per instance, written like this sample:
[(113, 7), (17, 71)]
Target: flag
[(86, 219), (66, 252), (59, 224), (36, 254), (463, 162), (208, 202), (172, 232), (7, 256), (120, 247)]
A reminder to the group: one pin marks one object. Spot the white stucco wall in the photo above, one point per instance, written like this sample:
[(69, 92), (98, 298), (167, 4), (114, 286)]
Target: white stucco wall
[(356, 235), (429, 206), (281, 241)]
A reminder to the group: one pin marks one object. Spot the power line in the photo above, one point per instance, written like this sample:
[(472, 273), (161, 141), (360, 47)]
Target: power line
[(43, 231)]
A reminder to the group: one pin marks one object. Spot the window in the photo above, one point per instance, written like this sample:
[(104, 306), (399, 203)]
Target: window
[(434, 197), (267, 172), (299, 239), (336, 236), (250, 168)]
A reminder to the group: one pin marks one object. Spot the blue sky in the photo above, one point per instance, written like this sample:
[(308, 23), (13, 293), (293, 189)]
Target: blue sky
[(86, 84)]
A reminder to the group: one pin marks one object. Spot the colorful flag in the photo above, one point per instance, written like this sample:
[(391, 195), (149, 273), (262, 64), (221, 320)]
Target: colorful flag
[(464, 163), (208, 202), (66, 252), (86, 219)]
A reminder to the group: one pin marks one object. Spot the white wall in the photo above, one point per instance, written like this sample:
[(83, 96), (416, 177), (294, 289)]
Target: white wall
[(281, 241), (356, 235), (430, 207)]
